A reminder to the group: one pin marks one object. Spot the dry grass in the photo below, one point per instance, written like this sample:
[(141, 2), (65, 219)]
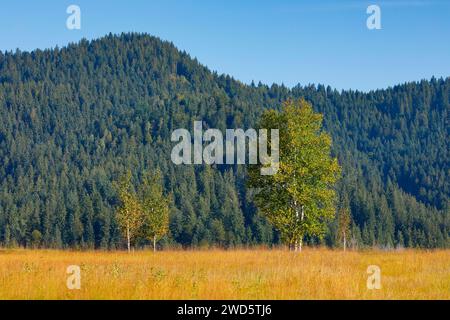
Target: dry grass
[(217, 274)]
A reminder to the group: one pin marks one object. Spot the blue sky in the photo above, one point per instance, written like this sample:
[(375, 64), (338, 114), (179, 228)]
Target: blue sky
[(282, 41)]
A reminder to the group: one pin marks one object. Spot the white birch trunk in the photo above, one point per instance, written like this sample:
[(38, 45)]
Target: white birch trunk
[(128, 237), (301, 219), (345, 242)]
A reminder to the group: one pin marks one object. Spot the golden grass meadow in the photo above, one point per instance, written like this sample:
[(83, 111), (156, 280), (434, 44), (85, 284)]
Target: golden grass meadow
[(225, 274)]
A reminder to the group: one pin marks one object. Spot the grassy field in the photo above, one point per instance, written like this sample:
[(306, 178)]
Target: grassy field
[(218, 274)]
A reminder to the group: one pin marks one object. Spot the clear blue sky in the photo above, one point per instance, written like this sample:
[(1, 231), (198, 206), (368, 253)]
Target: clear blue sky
[(282, 41)]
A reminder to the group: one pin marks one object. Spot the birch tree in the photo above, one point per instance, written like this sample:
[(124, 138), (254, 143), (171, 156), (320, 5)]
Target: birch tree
[(300, 197), (155, 206), (129, 213), (344, 219)]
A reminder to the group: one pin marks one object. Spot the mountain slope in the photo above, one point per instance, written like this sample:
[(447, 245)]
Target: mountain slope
[(74, 119)]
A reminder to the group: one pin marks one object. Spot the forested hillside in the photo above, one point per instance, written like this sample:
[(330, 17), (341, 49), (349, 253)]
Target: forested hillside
[(74, 119)]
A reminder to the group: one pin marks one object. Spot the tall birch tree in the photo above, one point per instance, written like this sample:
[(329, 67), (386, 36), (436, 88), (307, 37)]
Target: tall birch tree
[(300, 197)]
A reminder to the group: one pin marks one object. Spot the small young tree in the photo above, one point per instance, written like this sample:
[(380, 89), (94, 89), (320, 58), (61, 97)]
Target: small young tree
[(344, 220), (36, 238), (300, 197), (155, 208), (129, 213)]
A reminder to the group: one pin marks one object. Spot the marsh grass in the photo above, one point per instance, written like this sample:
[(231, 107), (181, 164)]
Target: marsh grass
[(225, 274)]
